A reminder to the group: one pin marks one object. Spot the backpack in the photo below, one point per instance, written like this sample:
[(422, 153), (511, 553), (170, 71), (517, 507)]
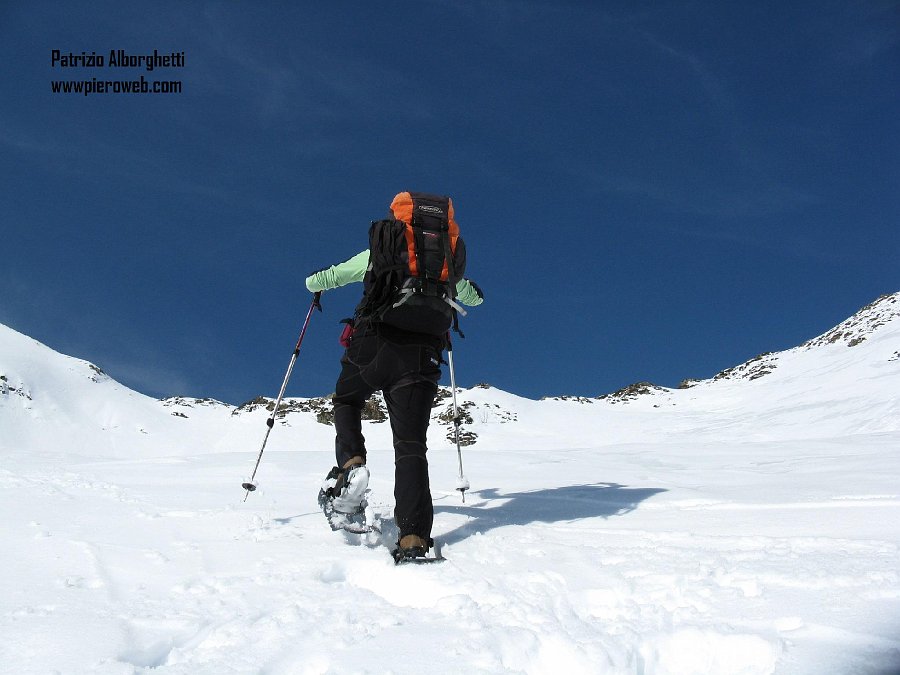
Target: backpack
[(410, 283)]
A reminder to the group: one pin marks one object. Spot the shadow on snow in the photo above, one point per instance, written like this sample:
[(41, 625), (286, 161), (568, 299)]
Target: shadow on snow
[(553, 505)]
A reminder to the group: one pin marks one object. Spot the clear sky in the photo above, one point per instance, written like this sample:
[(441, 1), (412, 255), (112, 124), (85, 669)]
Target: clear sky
[(648, 190)]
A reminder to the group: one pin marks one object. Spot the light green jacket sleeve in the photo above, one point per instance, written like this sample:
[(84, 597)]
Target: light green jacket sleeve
[(339, 275), (354, 269)]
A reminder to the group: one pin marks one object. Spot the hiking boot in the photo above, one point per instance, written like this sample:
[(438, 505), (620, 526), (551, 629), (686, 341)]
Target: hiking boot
[(412, 546), (345, 488)]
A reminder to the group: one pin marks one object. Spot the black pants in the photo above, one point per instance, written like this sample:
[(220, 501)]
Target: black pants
[(406, 368)]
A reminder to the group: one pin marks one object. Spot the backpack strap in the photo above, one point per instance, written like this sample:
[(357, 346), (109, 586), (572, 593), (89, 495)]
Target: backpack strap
[(451, 271), (408, 291), (434, 213)]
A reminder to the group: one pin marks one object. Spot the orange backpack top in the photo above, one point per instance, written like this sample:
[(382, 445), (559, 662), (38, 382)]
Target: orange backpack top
[(430, 214)]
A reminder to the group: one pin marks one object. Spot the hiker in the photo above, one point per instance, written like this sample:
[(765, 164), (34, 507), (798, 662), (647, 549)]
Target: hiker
[(413, 281)]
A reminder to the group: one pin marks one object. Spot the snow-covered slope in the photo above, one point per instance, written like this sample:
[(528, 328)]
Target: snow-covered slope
[(746, 524), (55, 403), (841, 383)]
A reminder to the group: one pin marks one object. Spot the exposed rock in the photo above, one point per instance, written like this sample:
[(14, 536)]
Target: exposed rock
[(492, 411), (631, 392), (253, 404), (375, 410), (322, 407), (443, 394), (98, 375), (466, 437), (757, 367), (566, 397), (464, 416), (190, 402), (6, 389), (860, 326)]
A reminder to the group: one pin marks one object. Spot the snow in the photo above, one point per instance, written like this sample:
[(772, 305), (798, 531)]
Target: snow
[(739, 526)]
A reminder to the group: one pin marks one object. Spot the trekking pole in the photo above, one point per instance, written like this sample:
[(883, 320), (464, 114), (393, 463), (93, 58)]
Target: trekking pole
[(462, 484), (250, 486)]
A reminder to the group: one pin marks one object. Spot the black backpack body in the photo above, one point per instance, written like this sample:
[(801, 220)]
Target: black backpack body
[(416, 259)]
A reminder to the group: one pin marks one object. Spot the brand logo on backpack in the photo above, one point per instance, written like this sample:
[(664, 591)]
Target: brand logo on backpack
[(413, 270)]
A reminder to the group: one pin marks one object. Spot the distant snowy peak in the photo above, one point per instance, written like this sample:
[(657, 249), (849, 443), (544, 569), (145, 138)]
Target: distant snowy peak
[(28, 366), (880, 315), (862, 325)]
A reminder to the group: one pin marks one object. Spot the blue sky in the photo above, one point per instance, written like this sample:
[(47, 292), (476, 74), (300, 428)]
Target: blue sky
[(648, 190)]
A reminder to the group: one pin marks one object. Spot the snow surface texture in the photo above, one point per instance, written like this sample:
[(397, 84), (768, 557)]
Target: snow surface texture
[(748, 524)]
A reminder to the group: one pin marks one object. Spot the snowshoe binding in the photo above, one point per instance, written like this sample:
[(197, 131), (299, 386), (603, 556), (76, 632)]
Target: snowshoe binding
[(412, 549)]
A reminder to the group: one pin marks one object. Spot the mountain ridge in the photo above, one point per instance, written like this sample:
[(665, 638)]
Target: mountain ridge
[(52, 388)]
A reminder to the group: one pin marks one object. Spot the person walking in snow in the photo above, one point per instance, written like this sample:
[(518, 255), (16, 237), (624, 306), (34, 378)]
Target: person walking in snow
[(413, 282)]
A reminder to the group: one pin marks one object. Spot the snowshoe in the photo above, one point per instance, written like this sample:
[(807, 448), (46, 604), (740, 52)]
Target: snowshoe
[(342, 499), (413, 550)]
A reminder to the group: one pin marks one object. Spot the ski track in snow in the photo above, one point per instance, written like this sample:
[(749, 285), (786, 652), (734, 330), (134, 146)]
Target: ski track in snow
[(741, 527)]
